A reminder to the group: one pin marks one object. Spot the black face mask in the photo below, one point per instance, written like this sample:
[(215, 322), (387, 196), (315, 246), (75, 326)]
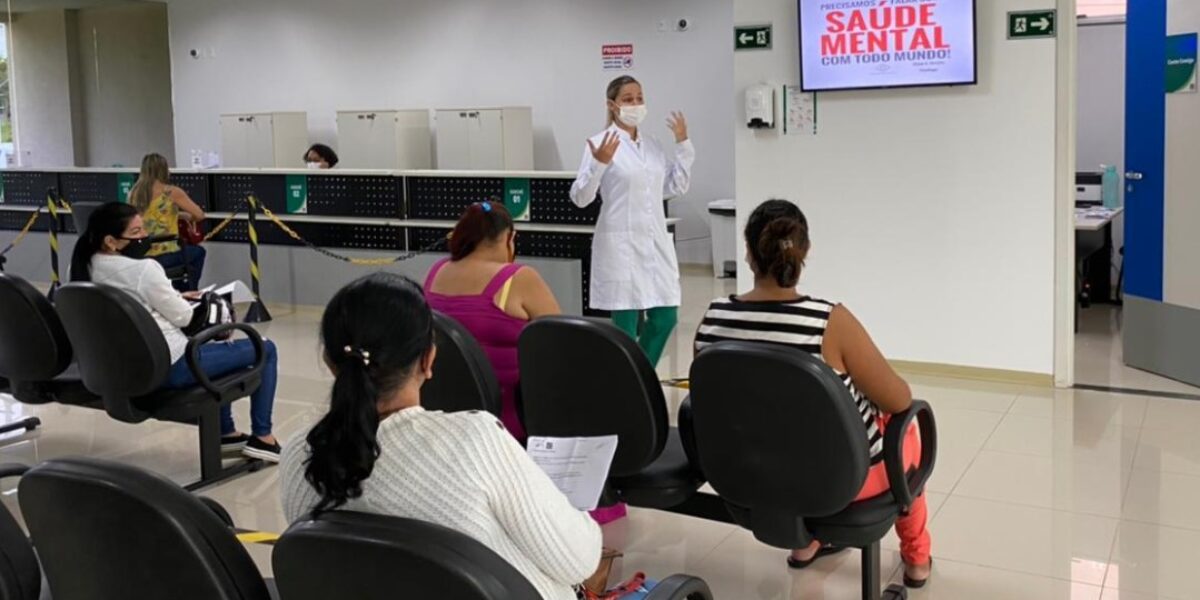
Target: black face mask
[(136, 248)]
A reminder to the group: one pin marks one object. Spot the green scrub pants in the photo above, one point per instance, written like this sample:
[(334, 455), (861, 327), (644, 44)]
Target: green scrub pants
[(651, 328)]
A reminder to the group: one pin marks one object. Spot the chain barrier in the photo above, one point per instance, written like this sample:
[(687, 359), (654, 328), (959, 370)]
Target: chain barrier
[(33, 217), (365, 262)]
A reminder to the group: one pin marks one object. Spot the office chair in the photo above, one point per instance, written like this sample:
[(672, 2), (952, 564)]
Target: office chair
[(783, 445), (107, 530), (463, 378), (123, 359), (338, 555), (20, 572), (585, 377)]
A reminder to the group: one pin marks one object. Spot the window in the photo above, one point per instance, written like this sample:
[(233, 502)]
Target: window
[(7, 155)]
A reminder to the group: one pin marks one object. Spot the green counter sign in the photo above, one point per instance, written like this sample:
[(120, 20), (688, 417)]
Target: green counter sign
[(1032, 24), (1181, 63), (516, 198), (297, 194), (125, 183)]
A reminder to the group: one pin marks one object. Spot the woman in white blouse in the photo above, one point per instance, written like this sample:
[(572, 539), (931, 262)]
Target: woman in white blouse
[(635, 273)]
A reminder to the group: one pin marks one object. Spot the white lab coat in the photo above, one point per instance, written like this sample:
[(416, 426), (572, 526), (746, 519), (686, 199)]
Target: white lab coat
[(634, 266)]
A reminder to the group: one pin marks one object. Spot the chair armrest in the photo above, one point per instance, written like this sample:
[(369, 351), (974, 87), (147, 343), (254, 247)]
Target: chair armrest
[(907, 486), (12, 470), (192, 354), (217, 509), (680, 587)]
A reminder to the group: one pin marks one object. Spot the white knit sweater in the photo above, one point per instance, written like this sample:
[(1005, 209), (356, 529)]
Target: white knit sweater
[(464, 471)]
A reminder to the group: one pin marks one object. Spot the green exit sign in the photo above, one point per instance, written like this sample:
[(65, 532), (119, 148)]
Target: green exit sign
[(1032, 24), (752, 37)]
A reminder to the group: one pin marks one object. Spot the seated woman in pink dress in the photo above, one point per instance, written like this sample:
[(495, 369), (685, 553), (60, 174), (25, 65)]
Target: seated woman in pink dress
[(481, 287)]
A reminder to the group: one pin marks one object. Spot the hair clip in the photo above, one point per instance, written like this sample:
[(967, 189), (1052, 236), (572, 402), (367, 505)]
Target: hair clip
[(787, 244), (487, 206), (363, 354)]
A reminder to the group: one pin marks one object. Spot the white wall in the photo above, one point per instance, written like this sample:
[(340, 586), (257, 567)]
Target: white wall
[(932, 210), (41, 89), (1181, 269), (321, 56), (125, 83)]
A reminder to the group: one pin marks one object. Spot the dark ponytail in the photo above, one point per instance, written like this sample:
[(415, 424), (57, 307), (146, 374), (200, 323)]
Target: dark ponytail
[(375, 332), (777, 238), (481, 222), (109, 219)]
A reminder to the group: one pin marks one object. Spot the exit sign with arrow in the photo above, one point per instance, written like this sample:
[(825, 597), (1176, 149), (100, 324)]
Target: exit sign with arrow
[(752, 37), (1032, 24)]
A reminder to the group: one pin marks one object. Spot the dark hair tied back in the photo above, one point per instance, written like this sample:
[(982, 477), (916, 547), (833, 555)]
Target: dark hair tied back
[(777, 236)]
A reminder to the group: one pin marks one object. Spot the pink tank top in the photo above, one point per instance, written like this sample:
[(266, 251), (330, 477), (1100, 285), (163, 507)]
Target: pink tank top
[(495, 330)]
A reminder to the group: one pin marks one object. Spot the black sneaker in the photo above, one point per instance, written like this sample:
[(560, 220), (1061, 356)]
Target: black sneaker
[(234, 443), (256, 448)]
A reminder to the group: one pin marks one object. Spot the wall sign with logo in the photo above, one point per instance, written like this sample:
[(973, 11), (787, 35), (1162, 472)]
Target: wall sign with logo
[(516, 198), (297, 194), (1181, 63), (617, 57)]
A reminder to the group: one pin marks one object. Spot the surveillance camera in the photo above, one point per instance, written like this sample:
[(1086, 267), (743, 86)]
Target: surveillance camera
[(194, 53), (683, 25)]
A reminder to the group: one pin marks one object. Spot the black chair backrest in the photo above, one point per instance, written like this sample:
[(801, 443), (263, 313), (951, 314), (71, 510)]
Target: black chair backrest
[(377, 557), (82, 211), (108, 530), (33, 344), (586, 377), (776, 430), (463, 378), (20, 574), (121, 351)]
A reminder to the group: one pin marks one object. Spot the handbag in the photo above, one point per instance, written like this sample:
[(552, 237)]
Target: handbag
[(211, 310), (191, 232)]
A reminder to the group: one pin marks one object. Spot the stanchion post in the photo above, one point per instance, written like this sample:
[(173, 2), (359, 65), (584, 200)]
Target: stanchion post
[(258, 312), (52, 205)]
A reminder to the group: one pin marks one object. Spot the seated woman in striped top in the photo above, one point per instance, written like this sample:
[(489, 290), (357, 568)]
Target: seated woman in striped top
[(777, 243)]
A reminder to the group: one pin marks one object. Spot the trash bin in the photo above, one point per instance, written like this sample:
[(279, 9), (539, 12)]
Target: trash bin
[(723, 217)]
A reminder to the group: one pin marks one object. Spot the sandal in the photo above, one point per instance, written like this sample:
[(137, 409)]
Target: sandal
[(917, 584), (822, 551)]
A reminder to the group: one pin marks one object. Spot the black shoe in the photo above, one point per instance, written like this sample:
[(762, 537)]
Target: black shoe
[(822, 552), (256, 448), (234, 443)]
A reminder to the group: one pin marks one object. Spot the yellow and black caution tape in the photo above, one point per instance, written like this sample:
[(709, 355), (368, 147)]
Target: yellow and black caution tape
[(246, 536), (365, 262), (682, 383)]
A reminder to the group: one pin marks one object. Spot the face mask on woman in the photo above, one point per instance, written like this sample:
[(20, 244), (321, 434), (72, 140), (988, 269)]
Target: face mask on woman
[(313, 165), (136, 248), (633, 115)]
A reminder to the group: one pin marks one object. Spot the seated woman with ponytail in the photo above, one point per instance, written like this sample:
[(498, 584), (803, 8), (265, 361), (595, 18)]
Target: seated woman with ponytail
[(493, 297), (112, 251), (777, 243), (378, 451)]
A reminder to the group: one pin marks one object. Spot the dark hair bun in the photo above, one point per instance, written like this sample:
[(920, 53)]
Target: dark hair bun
[(777, 235)]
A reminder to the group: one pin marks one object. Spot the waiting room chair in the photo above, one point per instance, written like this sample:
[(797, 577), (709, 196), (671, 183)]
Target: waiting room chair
[(123, 358), (463, 378), (338, 555), (108, 530), (779, 437), (20, 572), (586, 377)]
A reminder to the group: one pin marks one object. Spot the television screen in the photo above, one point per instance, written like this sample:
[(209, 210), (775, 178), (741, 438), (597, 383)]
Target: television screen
[(860, 44)]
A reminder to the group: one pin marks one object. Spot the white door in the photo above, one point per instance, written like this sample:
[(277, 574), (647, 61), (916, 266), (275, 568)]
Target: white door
[(260, 146), (454, 140), (367, 140), (233, 140), (487, 140)]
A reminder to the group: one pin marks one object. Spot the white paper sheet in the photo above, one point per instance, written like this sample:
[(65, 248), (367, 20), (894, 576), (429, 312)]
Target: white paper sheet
[(578, 466)]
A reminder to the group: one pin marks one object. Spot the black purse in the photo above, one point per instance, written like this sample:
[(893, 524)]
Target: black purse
[(211, 310)]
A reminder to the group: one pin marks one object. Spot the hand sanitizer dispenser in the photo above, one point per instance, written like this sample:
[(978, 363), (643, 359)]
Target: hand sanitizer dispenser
[(760, 107)]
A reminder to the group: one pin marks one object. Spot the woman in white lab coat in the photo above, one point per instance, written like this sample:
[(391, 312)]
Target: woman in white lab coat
[(635, 273)]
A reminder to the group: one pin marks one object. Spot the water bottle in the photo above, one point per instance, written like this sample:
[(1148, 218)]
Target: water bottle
[(1110, 187)]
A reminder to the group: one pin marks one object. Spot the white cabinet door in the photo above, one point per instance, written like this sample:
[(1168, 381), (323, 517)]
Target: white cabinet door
[(260, 144), (233, 141), (454, 139), (367, 140), (487, 140)]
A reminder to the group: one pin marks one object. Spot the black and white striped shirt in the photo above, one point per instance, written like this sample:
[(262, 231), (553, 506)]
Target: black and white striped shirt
[(799, 324)]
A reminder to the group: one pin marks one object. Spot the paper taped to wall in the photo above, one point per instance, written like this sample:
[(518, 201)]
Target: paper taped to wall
[(577, 466), (799, 111)]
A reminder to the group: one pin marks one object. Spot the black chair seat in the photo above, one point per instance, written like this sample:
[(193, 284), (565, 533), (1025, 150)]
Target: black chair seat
[(668, 481), (184, 404), (860, 524)]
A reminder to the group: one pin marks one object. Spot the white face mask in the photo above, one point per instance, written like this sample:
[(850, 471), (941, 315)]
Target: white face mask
[(313, 165), (633, 115)]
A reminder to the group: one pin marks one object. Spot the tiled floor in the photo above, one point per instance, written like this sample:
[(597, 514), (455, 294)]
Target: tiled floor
[(1038, 493)]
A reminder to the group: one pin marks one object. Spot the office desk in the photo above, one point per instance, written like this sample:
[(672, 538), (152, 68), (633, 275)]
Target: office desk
[(1095, 219), (1094, 252)]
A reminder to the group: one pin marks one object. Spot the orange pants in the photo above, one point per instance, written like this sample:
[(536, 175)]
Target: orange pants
[(914, 537)]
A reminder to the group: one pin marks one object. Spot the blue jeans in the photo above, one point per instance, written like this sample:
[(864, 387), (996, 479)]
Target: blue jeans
[(222, 358), (193, 257)]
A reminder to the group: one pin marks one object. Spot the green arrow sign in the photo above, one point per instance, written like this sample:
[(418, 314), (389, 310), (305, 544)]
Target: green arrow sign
[(1032, 24), (752, 37)]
